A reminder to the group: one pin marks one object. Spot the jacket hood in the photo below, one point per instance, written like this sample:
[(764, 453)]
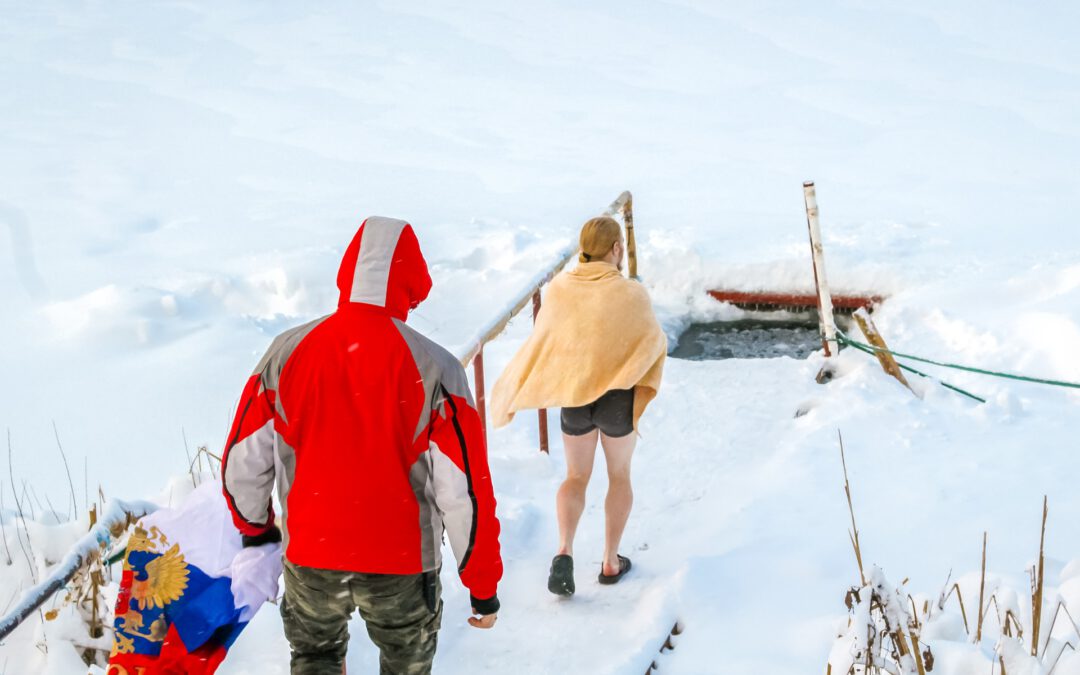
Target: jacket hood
[(383, 267)]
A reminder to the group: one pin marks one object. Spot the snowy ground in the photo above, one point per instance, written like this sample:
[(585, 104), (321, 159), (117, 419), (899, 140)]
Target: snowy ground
[(179, 185)]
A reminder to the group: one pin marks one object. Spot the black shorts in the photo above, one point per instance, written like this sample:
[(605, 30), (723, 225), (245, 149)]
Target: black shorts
[(612, 414)]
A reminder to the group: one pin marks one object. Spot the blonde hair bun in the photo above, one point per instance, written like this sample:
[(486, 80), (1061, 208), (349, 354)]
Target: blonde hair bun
[(598, 235)]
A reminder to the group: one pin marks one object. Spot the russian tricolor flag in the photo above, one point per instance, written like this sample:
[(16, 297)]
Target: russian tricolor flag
[(188, 588)]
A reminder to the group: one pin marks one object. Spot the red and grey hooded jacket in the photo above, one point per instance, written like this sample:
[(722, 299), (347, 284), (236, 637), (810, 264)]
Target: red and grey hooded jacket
[(369, 430)]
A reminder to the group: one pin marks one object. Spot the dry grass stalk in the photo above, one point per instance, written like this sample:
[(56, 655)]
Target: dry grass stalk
[(1037, 596), (29, 489), (85, 594), (191, 462), (960, 599), (918, 654), (982, 590), (27, 547), (1067, 645), (211, 456), (3, 530), (914, 612), (1002, 623), (1053, 623), (1007, 623), (67, 470), (210, 459), (1010, 619), (853, 534), (24, 497), (96, 582), (905, 655)]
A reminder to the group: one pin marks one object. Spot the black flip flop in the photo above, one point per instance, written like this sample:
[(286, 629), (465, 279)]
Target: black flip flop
[(624, 567), (561, 579)]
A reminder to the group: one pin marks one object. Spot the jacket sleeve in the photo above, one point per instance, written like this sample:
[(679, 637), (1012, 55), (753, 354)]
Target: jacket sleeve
[(247, 464), (463, 491)]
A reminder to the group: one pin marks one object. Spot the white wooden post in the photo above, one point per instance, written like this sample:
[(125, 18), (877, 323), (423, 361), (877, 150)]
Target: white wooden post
[(825, 306)]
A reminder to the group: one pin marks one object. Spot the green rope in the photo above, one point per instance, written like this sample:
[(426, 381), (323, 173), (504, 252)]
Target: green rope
[(844, 339), (869, 349)]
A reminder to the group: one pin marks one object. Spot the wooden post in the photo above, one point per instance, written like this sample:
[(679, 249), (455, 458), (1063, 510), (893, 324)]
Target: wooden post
[(631, 245), (825, 307), (888, 363), (542, 412), (478, 383)]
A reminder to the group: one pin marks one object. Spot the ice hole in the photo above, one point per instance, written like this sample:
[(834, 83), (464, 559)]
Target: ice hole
[(756, 337)]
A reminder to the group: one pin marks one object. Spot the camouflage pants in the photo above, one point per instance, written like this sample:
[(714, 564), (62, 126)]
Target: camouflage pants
[(402, 613)]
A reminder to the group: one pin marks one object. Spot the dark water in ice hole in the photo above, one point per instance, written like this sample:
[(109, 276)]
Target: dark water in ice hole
[(748, 339)]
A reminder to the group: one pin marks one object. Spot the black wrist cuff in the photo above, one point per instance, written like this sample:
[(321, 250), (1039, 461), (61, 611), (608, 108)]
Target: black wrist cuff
[(485, 607), (271, 536)]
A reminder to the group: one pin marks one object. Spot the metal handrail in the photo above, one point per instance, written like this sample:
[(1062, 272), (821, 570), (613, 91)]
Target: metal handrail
[(115, 519), (473, 352), (498, 323)]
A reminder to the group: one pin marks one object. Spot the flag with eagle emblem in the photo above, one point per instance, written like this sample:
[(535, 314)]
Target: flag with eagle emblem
[(188, 588)]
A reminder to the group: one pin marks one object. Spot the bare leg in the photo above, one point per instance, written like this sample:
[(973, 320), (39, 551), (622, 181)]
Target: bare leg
[(570, 502), (620, 496)]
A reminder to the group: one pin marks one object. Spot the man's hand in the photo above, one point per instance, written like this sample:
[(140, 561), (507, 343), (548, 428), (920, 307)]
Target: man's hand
[(486, 621), (271, 536), (485, 612)]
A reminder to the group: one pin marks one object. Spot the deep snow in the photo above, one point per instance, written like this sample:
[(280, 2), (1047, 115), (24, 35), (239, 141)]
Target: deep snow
[(179, 183)]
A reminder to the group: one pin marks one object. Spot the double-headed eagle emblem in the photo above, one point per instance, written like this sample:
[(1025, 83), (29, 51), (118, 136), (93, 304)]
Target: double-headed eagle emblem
[(166, 579), (163, 580)]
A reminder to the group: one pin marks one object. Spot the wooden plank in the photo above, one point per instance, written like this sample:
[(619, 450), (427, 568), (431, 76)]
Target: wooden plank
[(797, 300), (888, 363)]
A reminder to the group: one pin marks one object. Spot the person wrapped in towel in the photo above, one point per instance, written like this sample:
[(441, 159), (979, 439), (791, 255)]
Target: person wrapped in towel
[(597, 351)]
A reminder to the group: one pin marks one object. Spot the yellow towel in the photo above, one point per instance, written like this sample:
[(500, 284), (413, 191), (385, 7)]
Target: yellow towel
[(596, 331)]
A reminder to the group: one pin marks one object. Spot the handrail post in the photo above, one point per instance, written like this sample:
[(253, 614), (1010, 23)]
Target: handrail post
[(817, 251), (478, 384), (542, 412), (631, 245)]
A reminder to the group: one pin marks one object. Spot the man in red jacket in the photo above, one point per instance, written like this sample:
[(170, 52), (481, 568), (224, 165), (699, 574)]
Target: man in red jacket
[(369, 430)]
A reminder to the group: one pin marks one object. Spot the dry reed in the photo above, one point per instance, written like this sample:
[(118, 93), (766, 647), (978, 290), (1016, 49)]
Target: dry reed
[(853, 533), (67, 470), (982, 589), (1036, 597)]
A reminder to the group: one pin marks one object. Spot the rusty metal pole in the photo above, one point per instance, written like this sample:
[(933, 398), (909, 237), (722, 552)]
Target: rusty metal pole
[(817, 252), (631, 245), (542, 412), (478, 383)]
